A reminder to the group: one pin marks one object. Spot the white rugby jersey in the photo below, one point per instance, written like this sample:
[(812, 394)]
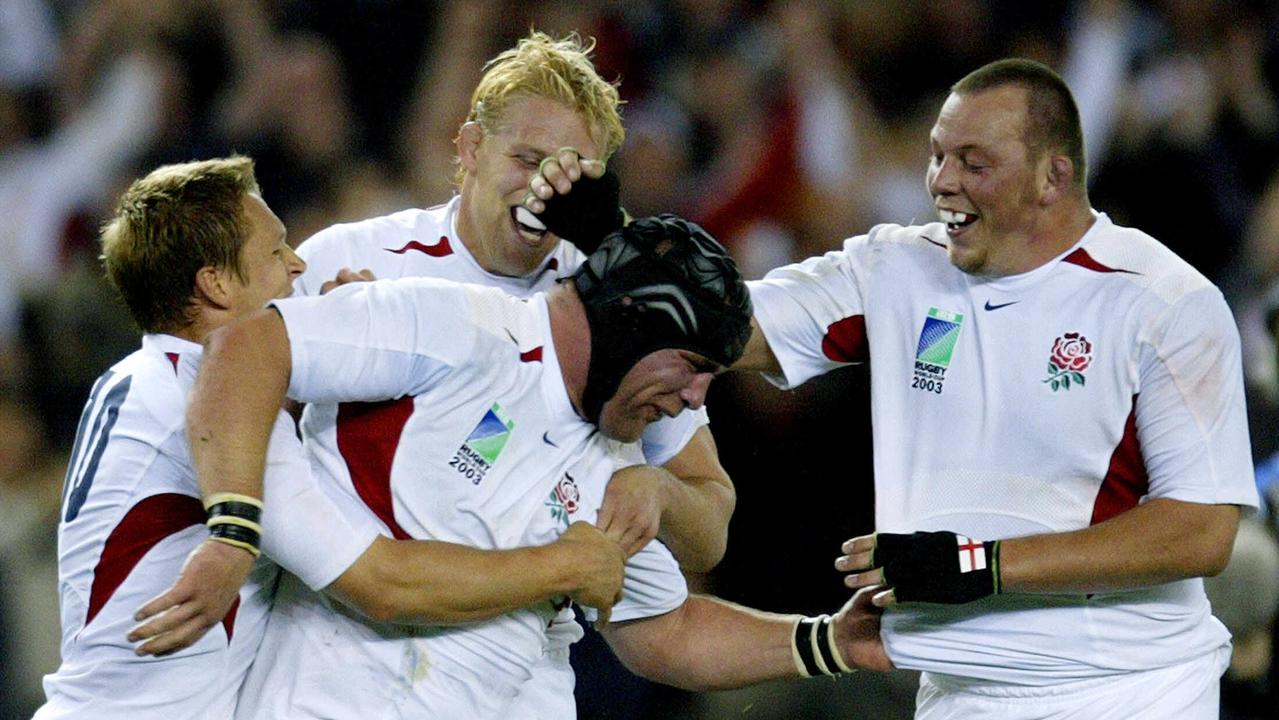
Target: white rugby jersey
[(499, 459), (131, 514), (425, 243), (1038, 403)]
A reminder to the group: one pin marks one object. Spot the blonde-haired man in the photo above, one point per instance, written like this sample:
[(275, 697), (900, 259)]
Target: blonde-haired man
[(540, 111), (541, 105), (191, 248)]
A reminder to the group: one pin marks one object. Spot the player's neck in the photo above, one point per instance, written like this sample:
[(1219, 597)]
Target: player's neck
[(195, 332), (1055, 233), (571, 336)]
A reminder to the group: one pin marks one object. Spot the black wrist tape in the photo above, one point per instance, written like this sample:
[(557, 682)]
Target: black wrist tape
[(236, 532), (938, 567), (588, 213), (236, 520), (814, 650), (234, 508)]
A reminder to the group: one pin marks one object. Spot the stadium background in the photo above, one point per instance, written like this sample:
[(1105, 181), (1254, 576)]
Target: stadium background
[(782, 126)]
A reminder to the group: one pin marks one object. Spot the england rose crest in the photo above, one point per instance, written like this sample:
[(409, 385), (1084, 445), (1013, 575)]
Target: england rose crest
[(1071, 356), (564, 499)]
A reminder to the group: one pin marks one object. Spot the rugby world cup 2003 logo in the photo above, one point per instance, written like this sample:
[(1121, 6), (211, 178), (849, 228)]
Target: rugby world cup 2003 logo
[(480, 449), (936, 347), (1071, 356)]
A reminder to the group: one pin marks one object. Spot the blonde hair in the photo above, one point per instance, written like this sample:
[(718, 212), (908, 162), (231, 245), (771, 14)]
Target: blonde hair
[(559, 70), (168, 225)]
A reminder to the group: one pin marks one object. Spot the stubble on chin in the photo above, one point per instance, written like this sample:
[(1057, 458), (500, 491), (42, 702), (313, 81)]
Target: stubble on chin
[(969, 261)]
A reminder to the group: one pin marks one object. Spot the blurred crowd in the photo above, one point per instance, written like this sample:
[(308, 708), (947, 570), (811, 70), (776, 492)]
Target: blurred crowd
[(783, 127)]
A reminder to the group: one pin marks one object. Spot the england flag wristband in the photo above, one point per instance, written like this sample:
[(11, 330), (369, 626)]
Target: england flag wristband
[(937, 567)]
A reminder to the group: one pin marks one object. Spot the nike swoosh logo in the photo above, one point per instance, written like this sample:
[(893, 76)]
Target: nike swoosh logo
[(1001, 305), (546, 438)]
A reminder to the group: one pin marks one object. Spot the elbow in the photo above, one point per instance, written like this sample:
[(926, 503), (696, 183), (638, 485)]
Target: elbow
[(1218, 541), (709, 557), (1215, 561), (378, 609), (714, 541), (366, 595)]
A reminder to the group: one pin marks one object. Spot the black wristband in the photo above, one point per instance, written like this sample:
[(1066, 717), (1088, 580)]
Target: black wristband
[(252, 513), (813, 648), (939, 567), (235, 519), (588, 213), (804, 630), (236, 532)]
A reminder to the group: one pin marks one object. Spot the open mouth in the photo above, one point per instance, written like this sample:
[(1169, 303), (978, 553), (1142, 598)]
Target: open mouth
[(530, 227), (956, 221)]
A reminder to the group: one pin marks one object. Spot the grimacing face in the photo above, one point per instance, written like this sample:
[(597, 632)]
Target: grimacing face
[(984, 184), (269, 264), (662, 383), (499, 164)]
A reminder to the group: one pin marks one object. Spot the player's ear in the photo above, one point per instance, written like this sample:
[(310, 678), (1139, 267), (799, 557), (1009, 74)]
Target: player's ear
[(468, 144), (1056, 178), (213, 285)]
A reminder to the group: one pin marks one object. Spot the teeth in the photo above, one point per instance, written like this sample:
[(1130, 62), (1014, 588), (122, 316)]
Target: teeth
[(528, 219), (954, 218)]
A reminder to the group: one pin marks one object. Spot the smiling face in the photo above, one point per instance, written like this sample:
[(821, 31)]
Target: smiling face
[(661, 383), (498, 165), (984, 182), (269, 265)]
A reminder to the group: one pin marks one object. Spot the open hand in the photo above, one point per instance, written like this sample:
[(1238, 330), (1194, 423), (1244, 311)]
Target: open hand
[(556, 175), (207, 586)]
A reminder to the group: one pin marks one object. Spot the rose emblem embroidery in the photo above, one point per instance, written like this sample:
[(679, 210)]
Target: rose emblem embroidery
[(1071, 356), (566, 492)]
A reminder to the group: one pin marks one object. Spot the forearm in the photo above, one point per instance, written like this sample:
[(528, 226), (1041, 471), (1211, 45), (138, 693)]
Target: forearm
[(707, 644), (233, 406), (699, 502), (439, 583), (1157, 542)]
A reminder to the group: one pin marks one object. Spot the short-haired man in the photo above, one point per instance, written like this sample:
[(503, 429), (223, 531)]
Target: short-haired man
[(548, 386), (1064, 389), (191, 248)]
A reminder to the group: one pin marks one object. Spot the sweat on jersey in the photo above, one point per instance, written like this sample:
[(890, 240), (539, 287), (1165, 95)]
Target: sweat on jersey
[(485, 450), (1038, 403), (131, 513)]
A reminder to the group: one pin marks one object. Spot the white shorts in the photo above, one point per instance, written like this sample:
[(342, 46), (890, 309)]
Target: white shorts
[(1188, 691)]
